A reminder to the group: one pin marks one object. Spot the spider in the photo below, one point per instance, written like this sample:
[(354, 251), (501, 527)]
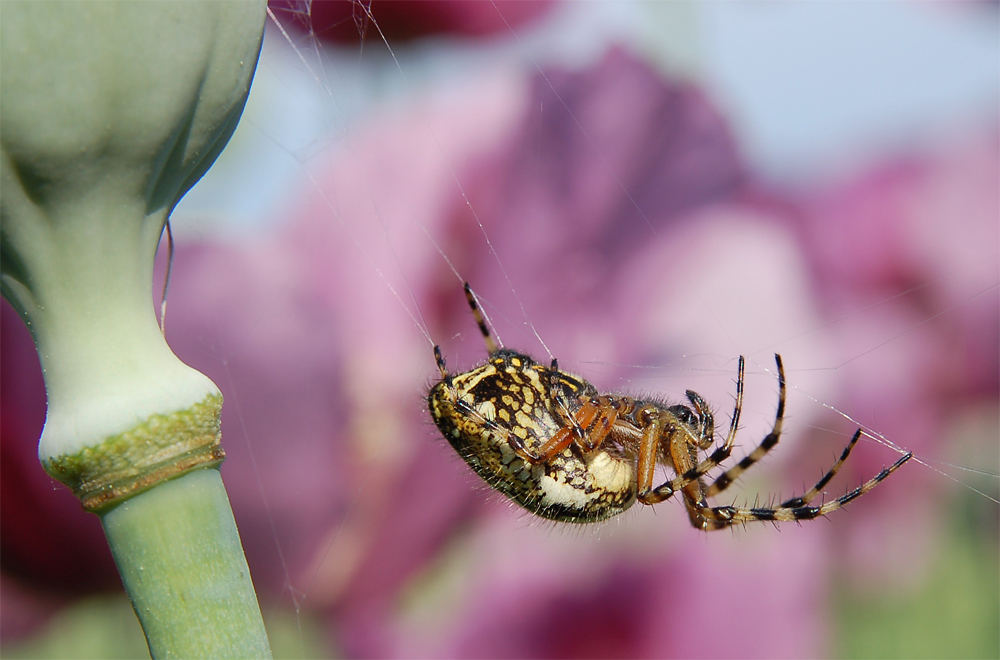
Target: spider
[(551, 442)]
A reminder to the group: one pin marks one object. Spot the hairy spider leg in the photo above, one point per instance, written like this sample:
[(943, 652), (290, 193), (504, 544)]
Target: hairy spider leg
[(439, 359), (588, 428), (685, 475), (598, 416), (561, 439), (491, 345), (725, 479), (808, 496), (713, 518), (554, 395), (549, 449)]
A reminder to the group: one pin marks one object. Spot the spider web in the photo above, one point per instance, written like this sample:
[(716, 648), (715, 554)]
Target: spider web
[(728, 317)]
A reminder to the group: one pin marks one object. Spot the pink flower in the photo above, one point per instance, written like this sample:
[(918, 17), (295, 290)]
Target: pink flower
[(348, 21), (913, 244)]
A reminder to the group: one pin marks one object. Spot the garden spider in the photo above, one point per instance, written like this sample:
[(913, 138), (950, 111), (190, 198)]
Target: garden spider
[(552, 443)]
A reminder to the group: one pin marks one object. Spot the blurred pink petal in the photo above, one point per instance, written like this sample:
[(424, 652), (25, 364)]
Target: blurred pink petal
[(350, 21), (906, 244), (604, 160), (913, 244), (50, 548)]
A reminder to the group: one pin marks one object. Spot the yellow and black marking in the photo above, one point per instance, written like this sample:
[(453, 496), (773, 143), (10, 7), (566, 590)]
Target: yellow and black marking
[(510, 401)]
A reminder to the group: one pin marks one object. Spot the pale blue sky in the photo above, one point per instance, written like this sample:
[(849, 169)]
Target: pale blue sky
[(810, 88)]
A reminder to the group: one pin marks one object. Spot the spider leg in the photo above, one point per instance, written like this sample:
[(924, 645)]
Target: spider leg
[(649, 444), (582, 422), (723, 516), (555, 394), (589, 428), (693, 474), (439, 358), (577, 427), (491, 345), (808, 496), (598, 418), (683, 462), (558, 442), (725, 479), (602, 411)]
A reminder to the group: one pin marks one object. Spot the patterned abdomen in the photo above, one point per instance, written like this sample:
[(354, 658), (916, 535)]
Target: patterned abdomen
[(510, 399)]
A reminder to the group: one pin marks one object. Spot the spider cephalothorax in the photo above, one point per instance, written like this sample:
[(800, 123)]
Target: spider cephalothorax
[(552, 443)]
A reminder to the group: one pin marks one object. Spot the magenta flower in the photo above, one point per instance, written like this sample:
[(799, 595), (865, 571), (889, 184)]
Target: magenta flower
[(346, 21)]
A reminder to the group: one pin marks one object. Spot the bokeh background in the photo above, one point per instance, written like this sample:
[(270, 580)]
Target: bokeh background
[(646, 191)]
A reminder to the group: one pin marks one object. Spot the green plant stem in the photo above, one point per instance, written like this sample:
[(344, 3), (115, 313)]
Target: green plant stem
[(180, 558), (109, 113)]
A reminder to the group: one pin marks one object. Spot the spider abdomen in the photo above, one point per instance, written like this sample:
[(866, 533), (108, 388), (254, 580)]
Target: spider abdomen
[(509, 400)]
